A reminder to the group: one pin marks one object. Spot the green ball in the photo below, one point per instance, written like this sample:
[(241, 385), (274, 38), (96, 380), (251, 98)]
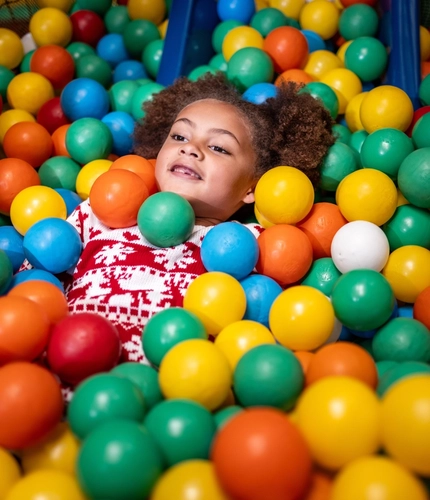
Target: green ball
[(356, 143), (151, 57), (358, 20), (384, 366), (424, 91), (101, 398), (80, 49), (408, 226), (385, 149), (362, 299), (119, 460), (142, 94), (166, 219), (138, 34), (268, 375), (6, 76), (88, 139), (249, 66), (121, 95), (59, 172), (420, 132), (182, 429), (221, 417), (266, 20), (6, 272), (322, 275), (24, 67), (146, 379), (339, 162), (167, 328), (198, 72), (116, 19), (326, 95), (293, 23), (221, 31), (94, 67), (402, 339), (414, 178), (341, 133), (367, 58), (5, 220), (100, 7), (219, 63), (398, 372)]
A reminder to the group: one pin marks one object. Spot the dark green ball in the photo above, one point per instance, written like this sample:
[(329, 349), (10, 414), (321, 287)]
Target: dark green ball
[(341, 133), (322, 275), (408, 226), (138, 34), (414, 178), (59, 172), (80, 49), (420, 132), (223, 416), (326, 95), (339, 162), (249, 66), (358, 20), (94, 67), (6, 272), (266, 20), (117, 19), (398, 372), (367, 57)]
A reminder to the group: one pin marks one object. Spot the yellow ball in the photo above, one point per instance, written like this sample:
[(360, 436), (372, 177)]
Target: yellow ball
[(291, 8), (33, 204), (162, 28), (64, 5), (29, 91), (342, 49), (58, 451), (152, 10), (408, 272), (320, 16), (88, 175), (406, 423), (424, 43), (352, 112), (301, 318), (193, 479), (238, 338), (340, 420), (197, 370), (386, 107), (217, 299), (9, 472), (320, 62), (11, 49), (46, 484), (239, 38), (12, 116), (378, 478), (261, 4), (367, 194), (262, 220), (51, 26), (284, 195), (345, 83), (401, 200)]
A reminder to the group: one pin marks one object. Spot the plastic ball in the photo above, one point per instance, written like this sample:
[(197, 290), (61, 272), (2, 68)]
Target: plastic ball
[(139, 166), (321, 62), (11, 49), (142, 94), (29, 91), (358, 21), (301, 318), (55, 63), (11, 471), (368, 195), (94, 68), (352, 112), (59, 172), (249, 66), (101, 7), (121, 126), (88, 27), (154, 11), (414, 178), (84, 98), (25, 385), (119, 459), (88, 139), (338, 163), (409, 225), (12, 116), (239, 38), (36, 274), (285, 254), (196, 370), (320, 16), (287, 47), (315, 41), (59, 140), (260, 293), (259, 452), (79, 49), (267, 19), (111, 48), (221, 31), (71, 199), (290, 8), (129, 70), (11, 244), (116, 19), (344, 82), (386, 106), (322, 275), (421, 311), (367, 58), (121, 95), (137, 34), (89, 174), (239, 11), (6, 272), (363, 299), (28, 141), (50, 26), (419, 136), (399, 371), (325, 94), (51, 115), (151, 57)]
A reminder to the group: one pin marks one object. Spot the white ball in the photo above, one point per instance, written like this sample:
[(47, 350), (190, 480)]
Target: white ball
[(360, 245), (28, 43)]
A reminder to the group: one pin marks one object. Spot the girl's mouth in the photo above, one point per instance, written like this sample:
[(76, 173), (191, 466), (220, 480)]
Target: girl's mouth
[(184, 171)]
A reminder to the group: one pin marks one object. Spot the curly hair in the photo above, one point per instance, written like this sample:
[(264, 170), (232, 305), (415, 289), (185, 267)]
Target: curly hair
[(292, 128)]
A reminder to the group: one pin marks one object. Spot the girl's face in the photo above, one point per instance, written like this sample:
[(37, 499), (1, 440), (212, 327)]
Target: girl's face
[(209, 160)]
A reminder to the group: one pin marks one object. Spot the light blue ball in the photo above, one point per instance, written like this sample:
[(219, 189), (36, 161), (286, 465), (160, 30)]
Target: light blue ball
[(260, 92), (84, 98), (71, 199), (121, 126), (129, 70), (36, 274), (112, 49), (238, 10), (12, 243), (315, 42)]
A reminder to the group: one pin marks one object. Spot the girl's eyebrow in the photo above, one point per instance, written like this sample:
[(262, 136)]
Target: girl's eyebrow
[(211, 131)]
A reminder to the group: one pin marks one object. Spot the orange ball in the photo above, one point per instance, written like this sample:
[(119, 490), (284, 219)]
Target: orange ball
[(15, 175), (28, 141), (287, 47), (46, 295), (305, 358), (285, 254), (59, 141), (55, 63), (422, 307), (139, 166), (320, 225), (24, 329), (259, 453), (293, 75), (345, 359), (31, 404), (116, 197), (321, 486)]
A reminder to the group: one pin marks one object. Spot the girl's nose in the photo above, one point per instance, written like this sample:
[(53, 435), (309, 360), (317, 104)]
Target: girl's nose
[(190, 149)]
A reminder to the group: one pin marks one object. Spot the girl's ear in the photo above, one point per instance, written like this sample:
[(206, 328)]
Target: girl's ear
[(249, 197)]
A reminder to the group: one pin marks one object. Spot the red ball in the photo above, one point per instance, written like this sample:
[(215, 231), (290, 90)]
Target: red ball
[(259, 453), (287, 47), (88, 27), (82, 345), (422, 307), (51, 115), (55, 63), (417, 115), (348, 3)]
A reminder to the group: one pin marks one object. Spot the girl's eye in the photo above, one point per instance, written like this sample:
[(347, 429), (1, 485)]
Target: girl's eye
[(219, 149), (177, 137)]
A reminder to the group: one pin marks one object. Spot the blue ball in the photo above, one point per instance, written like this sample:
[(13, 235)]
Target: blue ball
[(12, 243), (129, 70), (84, 98), (406, 312), (230, 248), (112, 49), (260, 293), (71, 199), (367, 86), (121, 126), (260, 92), (52, 245), (315, 42), (239, 10), (36, 274)]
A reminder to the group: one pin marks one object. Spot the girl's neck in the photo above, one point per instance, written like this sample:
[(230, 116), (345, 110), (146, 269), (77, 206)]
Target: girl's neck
[(207, 221)]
